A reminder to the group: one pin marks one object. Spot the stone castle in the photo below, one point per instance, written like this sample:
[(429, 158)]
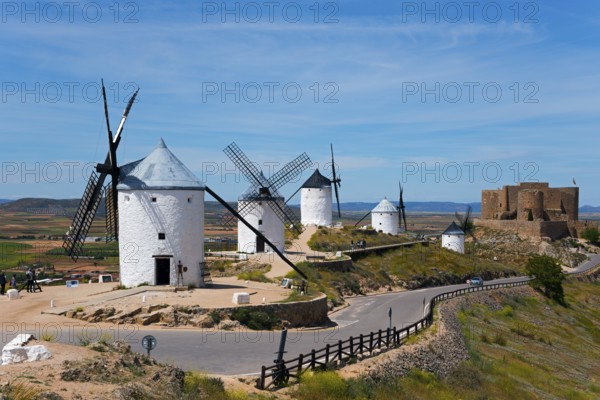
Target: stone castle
[(532, 209)]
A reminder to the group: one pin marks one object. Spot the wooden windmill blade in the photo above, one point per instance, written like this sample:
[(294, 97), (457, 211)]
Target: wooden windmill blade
[(88, 206), (403, 208), (360, 220), (336, 181)]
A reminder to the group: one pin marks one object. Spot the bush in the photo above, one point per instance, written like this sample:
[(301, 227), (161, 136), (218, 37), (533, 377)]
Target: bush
[(256, 320), (547, 277), (322, 385), (591, 234)]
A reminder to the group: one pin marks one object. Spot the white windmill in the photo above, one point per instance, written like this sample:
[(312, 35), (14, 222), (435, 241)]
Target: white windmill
[(384, 217), (453, 238), (262, 205)]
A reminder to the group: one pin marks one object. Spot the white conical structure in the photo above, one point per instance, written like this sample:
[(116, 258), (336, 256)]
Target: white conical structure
[(384, 217), (261, 216), (316, 201), (453, 238), (161, 222)]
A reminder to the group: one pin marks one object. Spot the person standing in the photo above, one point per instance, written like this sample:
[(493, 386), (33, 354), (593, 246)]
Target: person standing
[(13, 282), (2, 283), (29, 274)]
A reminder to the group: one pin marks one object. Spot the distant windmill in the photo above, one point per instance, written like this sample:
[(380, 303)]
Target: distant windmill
[(316, 197), (465, 223), (82, 221), (261, 203)]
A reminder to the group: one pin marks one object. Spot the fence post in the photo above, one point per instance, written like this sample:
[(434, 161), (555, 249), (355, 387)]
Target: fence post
[(361, 343), (387, 338), (300, 362), (313, 359), (371, 342), (396, 340), (351, 341), (379, 340), (340, 353), (327, 354), (261, 382)]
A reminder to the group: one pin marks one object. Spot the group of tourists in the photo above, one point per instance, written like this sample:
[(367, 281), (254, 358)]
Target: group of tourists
[(360, 244), (30, 274)]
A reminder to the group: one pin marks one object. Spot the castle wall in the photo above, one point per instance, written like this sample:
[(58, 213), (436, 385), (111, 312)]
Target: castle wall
[(553, 229)]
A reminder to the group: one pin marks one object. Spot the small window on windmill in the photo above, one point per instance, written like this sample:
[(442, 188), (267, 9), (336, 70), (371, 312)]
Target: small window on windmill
[(126, 199), (161, 236), (153, 199), (189, 199), (260, 221)]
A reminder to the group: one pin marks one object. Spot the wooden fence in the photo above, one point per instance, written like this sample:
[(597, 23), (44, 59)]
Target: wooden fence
[(365, 344)]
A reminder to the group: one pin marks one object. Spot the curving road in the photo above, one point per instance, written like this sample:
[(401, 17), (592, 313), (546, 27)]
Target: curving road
[(243, 351)]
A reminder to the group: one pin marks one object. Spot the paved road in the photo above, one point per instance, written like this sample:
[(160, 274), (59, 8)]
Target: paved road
[(243, 352)]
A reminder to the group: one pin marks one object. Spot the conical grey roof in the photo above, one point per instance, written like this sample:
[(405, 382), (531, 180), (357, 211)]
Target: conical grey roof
[(453, 229), (385, 206), (316, 181), (160, 170)]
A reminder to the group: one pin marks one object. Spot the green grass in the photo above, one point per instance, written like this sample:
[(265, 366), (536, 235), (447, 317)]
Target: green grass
[(254, 275), (15, 254), (340, 239)]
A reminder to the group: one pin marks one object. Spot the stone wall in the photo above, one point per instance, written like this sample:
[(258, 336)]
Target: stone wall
[(344, 265), (553, 229), (297, 313)]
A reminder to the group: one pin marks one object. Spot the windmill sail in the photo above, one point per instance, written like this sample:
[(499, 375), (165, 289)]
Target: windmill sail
[(86, 212), (336, 181)]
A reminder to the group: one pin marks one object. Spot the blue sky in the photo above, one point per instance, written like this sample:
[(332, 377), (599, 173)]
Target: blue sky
[(448, 98)]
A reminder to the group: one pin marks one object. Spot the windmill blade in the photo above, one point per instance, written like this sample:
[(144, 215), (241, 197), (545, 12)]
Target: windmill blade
[(230, 220), (243, 163), (337, 199), (117, 137), (360, 220), (460, 220), (402, 207), (112, 214), (289, 171), (292, 196), (82, 221), (336, 182), (256, 232), (285, 214)]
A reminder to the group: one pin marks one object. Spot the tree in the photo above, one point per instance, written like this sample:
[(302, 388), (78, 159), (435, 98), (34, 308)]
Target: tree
[(591, 234), (547, 277)]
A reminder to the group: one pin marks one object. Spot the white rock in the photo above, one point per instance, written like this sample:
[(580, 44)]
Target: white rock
[(16, 352), (241, 298)]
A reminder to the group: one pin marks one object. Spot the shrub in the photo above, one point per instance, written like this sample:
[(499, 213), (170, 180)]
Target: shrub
[(547, 277), (322, 385), (256, 320), (591, 234)]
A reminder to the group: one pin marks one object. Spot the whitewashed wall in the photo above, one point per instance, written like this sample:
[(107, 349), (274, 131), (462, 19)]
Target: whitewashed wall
[(315, 206), (272, 227)]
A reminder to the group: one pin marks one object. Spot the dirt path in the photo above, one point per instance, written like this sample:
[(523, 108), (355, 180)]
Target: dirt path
[(297, 252)]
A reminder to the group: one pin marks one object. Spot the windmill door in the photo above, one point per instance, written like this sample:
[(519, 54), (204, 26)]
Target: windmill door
[(260, 244), (163, 271)]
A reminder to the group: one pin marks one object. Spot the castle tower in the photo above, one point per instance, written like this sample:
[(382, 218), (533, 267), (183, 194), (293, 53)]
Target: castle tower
[(384, 217), (316, 201), (161, 222), (262, 217), (453, 238)]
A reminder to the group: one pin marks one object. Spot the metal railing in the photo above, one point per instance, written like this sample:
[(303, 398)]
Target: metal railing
[(368, 344)]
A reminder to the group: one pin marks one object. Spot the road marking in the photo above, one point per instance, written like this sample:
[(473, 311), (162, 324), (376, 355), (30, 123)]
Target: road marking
[(343, 324)]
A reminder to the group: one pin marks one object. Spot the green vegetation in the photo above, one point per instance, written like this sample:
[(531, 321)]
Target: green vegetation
[(591, 234), (15, 254), (340, 239), (547, 277), (200, 386), (531, 348), (255, 319), (254, 275)]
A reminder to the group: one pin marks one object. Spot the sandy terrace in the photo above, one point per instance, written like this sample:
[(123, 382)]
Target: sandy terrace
[(35, 307)]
